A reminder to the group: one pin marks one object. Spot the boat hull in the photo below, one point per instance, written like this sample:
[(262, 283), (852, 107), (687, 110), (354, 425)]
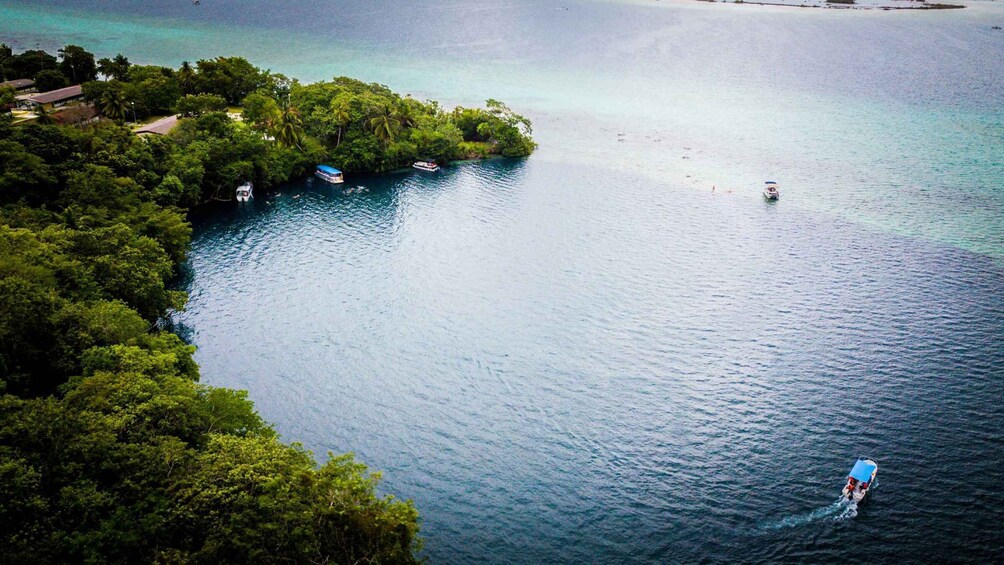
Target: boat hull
[(329, 178), (770, 191), (858, 494), (244, 192)]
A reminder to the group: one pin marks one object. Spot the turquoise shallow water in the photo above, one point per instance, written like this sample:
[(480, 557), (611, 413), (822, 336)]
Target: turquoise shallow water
[(890, 119), (587, 355)]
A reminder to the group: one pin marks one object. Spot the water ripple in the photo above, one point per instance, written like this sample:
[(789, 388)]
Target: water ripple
[(560, 372)]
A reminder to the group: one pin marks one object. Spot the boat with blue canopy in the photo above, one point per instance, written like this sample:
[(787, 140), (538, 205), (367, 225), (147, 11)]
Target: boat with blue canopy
[(860, 479), (329, 174)]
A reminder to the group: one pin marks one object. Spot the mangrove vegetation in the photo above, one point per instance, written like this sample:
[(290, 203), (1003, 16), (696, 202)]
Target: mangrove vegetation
[(111, 451)]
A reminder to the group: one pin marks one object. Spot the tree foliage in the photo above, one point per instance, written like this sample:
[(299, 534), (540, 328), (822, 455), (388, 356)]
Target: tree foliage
[(28, 64), (232, 78), (367, 127), (50, 79), (8, 97), (110, 449), (116, 68), (192, 105), (355, 125), (77, 64)]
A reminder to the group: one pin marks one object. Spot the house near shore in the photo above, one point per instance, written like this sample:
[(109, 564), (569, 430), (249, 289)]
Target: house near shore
[(20, 85), (162, 126), (52, 99)]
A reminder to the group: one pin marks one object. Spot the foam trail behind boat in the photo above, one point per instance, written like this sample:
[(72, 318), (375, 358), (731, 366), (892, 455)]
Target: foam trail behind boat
[(840, 509), (850, 511)]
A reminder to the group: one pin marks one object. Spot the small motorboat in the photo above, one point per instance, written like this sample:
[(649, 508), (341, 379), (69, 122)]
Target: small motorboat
[(245, 192), (770, 192), (860, 479), (329, 174), (430, 166)]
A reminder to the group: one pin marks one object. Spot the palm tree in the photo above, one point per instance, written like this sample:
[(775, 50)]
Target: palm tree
[(186, 78), (385, 126), (42, 116), (290, 131), (406, 114), (117, 68), (341, 117), (122, 65), (113, 105)]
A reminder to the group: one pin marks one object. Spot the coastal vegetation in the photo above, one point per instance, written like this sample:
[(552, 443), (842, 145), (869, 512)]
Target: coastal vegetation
[(357, 126), (110, 448)]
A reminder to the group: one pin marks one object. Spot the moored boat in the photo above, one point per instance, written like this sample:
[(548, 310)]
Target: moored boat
[(430, 166), (860, 479), (245, 192), (770, 192), (329, 174)]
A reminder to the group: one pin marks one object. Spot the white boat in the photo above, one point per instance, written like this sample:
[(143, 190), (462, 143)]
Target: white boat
[(770, 192), (426, 166), (245, 192), (860, 479), (329, 174)]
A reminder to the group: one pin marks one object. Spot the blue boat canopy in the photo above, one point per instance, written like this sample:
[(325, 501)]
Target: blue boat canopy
[(329, 170), (862, 470), (770, 182)]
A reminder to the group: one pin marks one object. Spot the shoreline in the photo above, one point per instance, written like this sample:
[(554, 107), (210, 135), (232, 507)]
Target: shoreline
[(884, 5)]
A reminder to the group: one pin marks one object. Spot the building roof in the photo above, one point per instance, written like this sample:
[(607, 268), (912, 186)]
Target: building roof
[(18, 83), (75, 114), (160, 127), (57, 95)]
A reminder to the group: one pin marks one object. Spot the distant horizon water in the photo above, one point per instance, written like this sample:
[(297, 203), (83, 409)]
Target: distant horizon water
[(742, 123)]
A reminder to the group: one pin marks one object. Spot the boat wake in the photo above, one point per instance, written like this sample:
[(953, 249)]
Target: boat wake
[(840, 510), (850, 511)]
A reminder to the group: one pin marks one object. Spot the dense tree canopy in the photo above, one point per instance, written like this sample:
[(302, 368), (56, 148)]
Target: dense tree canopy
[(110, 449), (28, 64), (354, 125), (116, 68), (77, 64), (233, 78), (50, 79), (367, 127)]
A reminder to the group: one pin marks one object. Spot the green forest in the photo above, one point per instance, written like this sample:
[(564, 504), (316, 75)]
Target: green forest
[(356, 126), (111, 451)]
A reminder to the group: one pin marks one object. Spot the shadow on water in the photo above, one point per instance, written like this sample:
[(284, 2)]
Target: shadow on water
[(377, 192)]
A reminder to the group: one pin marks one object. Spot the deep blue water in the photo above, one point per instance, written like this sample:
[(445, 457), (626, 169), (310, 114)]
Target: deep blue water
[(556, 371), (588, 356)]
